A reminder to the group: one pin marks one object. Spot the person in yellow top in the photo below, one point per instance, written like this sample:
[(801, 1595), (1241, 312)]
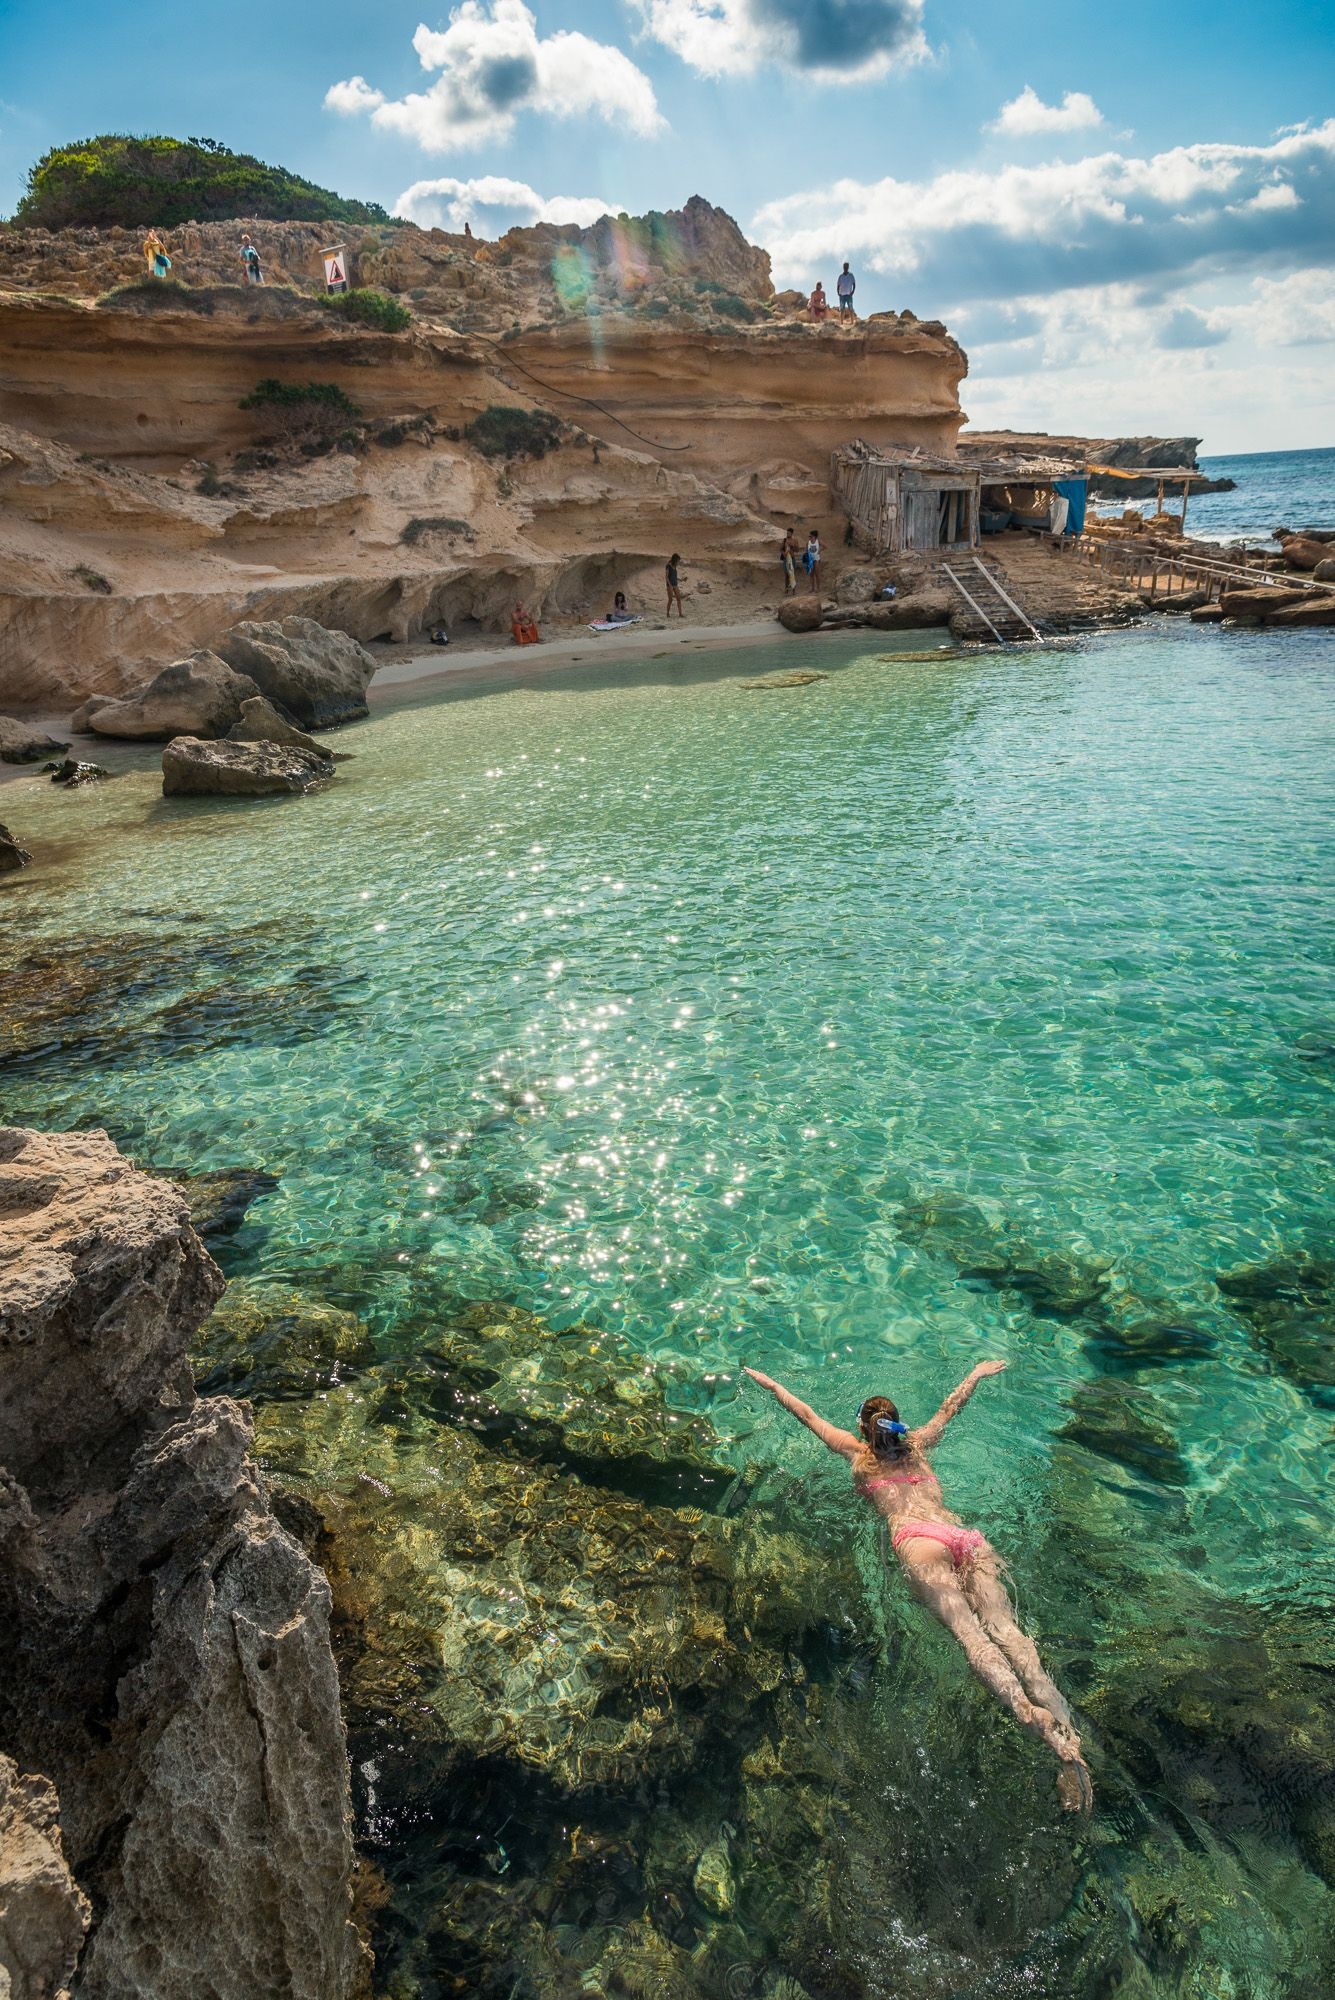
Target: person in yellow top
[(155, 255)]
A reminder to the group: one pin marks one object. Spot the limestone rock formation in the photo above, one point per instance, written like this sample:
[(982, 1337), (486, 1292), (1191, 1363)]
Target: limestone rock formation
[(318, 676), (43, 1912), (164, 1645), (201, 696), (260, 722), (20, 743), (192, 767), (12, 856)]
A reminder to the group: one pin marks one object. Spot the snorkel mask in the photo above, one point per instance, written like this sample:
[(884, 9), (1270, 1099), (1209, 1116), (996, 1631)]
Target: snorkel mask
[(887, 1431)]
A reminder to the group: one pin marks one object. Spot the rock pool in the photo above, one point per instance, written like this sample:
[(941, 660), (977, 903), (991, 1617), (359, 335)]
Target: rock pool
[(605, 1029)]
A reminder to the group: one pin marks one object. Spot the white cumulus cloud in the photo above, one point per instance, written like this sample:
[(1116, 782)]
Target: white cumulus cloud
[(826, 41), (1027, 114), (491, 204), (492, 64), (971, 234)]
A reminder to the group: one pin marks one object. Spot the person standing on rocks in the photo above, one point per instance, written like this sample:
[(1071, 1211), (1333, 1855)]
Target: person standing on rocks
[(788, 558), (811, 562), (673, 574), (155, 255), (846, 285), (250, 262)]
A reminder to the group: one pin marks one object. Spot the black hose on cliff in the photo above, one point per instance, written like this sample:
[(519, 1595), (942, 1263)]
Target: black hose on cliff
[(570, 397)]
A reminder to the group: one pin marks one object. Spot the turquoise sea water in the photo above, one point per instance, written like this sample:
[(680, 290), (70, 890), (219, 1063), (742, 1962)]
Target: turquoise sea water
[(1274, 489), (860, 1031)]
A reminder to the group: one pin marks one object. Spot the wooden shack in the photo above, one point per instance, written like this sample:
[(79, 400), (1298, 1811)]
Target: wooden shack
[(901, 497)]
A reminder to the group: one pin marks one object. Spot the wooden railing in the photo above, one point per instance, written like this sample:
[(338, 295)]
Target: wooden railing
[(1148, 568)]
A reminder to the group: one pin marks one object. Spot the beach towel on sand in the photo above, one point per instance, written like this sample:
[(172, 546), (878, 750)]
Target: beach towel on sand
[(614, 624)]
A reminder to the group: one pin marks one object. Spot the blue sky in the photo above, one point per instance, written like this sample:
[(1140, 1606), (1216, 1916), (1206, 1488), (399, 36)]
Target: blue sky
[(1127, 213)]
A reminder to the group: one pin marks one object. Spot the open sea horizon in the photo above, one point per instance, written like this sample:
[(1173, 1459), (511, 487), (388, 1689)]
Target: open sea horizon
[(1275, 489)]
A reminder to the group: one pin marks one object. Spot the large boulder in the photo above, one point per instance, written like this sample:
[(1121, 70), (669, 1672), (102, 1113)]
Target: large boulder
[(165, 1658), (192, 767), (43, 1912), (801, 614), (918, 613), (20, 743), (857, 586), (12, 856), (260, 722), (1258, 600), (1316, 608), (319, 677), (1300, 552), (1325, 570), (201, 696)]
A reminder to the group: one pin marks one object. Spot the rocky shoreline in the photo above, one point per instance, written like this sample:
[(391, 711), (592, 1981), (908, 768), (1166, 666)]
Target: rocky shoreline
[(166, 1680)]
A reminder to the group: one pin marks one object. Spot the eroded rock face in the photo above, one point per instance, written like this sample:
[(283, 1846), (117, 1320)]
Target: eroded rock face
[(260, 722), (164, 1645), (191, 766), (43, 1912), (318, 676), (200, 696)]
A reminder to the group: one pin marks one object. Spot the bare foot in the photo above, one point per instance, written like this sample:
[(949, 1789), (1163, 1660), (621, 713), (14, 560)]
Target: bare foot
[(1075, 1787)]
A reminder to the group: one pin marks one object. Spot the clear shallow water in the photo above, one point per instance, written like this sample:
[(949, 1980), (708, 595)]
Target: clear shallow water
[(690, 1011), (1275, 489)]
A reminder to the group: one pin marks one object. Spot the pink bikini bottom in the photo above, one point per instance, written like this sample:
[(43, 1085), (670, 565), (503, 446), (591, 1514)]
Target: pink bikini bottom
[(963, 1543)]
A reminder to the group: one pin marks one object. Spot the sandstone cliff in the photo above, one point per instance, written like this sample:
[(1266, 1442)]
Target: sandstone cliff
[(164, 1645), (694, 412)]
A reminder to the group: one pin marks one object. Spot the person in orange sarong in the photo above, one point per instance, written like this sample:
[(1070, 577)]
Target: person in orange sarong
[(524, 627)]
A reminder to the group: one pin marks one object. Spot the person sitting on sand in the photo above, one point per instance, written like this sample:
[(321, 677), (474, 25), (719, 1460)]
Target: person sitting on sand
[(818, 305), (618, 615), (951, 1569), (155, 255), (524, 627), (673, 586)]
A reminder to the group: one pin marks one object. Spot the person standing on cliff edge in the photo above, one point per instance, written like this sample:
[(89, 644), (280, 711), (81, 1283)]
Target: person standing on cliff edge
[(250, 262), (846, 285)]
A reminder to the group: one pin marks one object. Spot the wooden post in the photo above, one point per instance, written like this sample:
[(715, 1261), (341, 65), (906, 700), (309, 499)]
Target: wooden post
[(1186, 489), (1158, 505)]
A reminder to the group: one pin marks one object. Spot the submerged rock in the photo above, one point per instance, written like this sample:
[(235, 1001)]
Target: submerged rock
[(218, 1201), (164, 1645), (986, 1250), (783, 680), (266, 1341), (317, 676), (20, 743), (192, 767), (1289, 1305), (200, 696), (12, 856), (1125, 1426)]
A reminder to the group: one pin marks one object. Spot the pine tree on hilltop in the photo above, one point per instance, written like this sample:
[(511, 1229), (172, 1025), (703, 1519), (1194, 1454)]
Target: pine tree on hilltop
[(116, 181)]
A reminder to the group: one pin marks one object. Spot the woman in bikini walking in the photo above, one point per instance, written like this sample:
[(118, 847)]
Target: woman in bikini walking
[(951, 1569)]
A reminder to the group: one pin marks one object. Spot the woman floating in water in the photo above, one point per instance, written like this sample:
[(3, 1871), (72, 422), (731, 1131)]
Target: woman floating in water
[(952, 1569)]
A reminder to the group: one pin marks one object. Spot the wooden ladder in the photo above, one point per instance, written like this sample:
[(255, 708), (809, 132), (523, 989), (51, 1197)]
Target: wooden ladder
[(991, 592)]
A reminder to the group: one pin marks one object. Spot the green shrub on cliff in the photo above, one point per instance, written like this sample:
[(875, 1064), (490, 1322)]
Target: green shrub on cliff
[(368, 308), (116, 181), (314, 415), (502, 432)]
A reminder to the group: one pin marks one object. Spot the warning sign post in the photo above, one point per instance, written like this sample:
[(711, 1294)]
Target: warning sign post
[(335, 268)]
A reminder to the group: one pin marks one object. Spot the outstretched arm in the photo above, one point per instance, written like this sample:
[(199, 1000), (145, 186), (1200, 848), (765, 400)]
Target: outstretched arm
[(929, 1433), (843, 1442)]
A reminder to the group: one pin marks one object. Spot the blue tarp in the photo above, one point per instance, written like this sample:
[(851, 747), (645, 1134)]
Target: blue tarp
[(1074, 491)]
